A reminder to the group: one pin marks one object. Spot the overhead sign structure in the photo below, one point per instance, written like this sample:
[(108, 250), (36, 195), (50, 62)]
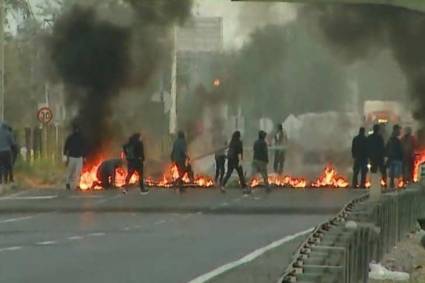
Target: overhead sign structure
[(45, 115)]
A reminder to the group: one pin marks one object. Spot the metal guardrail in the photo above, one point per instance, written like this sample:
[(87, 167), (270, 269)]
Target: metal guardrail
[(338, 252)]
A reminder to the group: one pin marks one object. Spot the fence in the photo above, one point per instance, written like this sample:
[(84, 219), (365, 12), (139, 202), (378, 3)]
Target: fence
[(40, 143), (340, 251)]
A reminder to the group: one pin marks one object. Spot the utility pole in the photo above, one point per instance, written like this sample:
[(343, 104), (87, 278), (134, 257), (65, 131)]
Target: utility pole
[(173, 110), (2, 65)]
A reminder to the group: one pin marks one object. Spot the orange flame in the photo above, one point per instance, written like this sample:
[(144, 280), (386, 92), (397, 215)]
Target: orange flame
[(419, 160), (89, 178), (330, 179)]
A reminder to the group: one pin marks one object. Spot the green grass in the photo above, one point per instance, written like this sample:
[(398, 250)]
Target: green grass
[(39, 173)]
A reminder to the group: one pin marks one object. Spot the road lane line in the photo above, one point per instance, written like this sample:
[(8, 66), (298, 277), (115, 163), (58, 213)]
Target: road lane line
[(46, 243), (75, 238), (248, 258), (10, 249), (30, 197), (160, 222), (96, 234), (17, 219)]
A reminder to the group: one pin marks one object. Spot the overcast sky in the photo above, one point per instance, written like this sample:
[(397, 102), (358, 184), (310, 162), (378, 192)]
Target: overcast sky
[(234, 32)]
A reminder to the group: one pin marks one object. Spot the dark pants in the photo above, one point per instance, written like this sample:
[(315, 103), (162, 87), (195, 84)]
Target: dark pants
[(219, 168), (408, 169), (5, 166), (360, 166), (183, 169), (279, 161), (379, 165), (133, 167), (234, 165)]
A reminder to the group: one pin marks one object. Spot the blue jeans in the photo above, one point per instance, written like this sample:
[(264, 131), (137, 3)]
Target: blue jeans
[(395, 171)]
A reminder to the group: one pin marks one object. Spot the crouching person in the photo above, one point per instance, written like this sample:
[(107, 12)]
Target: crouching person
[(135, 154), (106, 173)]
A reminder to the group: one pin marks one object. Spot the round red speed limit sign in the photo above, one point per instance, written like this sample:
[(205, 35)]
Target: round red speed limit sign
[(45, 115)]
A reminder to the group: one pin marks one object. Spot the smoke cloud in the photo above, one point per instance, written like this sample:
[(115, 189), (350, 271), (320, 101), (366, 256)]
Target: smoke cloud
[(96, 57), (356, 32)]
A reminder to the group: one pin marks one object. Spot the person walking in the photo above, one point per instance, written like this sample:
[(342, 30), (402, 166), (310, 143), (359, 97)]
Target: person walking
[(134, 152), (261, 159), (74, 152), (408, 143), (394, 152), (220, 145), (360, 158), (180, 158), (234, 156), (280, 142), (7, 143), (376, 153)]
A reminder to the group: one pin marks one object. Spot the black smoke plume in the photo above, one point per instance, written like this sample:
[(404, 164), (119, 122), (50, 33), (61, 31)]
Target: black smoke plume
[(357, 32), (92, 58), (96, 58)]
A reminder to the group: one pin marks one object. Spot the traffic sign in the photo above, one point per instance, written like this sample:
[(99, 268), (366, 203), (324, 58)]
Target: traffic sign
[(45, 115)]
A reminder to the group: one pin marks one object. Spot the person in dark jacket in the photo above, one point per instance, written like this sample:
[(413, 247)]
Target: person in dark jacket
[(376, 152), (74, 152), (106, 173), (280, 142), (261, 158), (234, 156), (220, 145), (180, 158), (360, 157), (395, 155), (408, 143), (135, 154)]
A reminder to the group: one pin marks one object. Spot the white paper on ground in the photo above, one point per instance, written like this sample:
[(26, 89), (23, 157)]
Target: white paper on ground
[(379, 272)]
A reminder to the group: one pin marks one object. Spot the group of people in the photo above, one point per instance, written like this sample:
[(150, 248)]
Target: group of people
[(74, 152), (260, 161), (396, 156)]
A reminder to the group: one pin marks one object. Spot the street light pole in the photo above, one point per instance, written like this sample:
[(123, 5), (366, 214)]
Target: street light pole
[(2, 65)]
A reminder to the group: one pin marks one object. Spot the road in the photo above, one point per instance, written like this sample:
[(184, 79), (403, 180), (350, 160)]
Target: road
[(55, 236)]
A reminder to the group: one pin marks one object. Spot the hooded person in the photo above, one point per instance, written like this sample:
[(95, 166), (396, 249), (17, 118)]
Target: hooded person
[(234, 156), (180, 158), (280, 142), (261, 158), (7, 143), (220, 145), (135, 154), (394, 152), (376, 153), (106, 173), (359, 153), (408, 143), (74, 152)]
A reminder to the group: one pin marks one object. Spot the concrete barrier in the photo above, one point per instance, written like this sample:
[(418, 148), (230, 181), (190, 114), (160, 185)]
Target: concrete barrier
[(341, 249)]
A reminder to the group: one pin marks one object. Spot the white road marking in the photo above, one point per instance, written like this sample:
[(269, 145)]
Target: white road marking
[(46, 243), (10, 249), (160, 222), (17, 219), (75, 238), (30, 197), (127, 229), (248, 258), (96, 234), (86, 197)]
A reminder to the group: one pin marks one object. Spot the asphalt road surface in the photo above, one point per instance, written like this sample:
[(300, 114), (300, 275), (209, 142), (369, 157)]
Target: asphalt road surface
[(54, 236)]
